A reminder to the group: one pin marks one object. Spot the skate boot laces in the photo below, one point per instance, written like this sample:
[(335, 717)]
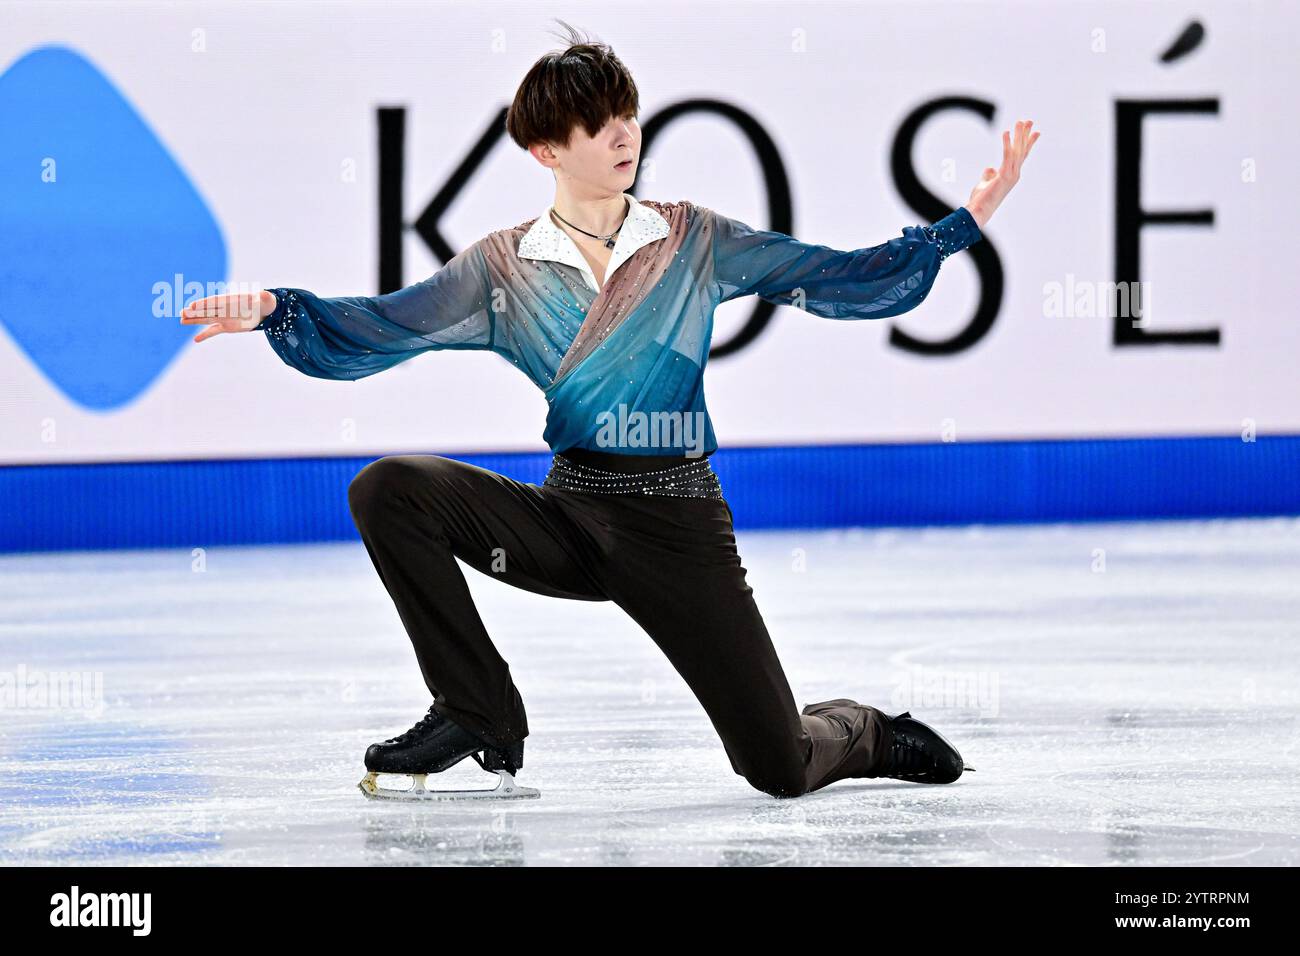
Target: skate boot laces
[(920, 753), (427, 722)]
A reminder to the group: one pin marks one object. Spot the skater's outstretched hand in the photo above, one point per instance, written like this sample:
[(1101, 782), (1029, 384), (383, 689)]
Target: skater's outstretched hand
[(234, 312), (996, 183)]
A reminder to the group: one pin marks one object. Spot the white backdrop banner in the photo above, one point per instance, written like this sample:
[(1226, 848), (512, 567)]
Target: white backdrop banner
[(152, 149)]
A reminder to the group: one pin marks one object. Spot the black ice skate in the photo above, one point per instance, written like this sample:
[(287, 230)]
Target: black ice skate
[(920, 753), (433, 745)]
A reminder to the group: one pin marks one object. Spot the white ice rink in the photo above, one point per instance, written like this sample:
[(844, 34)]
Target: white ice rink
[(1127, 692)]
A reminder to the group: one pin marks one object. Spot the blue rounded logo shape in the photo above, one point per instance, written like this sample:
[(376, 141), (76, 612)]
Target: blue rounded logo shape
[(102, 235)]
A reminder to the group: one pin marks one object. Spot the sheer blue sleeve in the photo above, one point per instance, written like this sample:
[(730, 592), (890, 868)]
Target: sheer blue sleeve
[(350, 337), (871, 283)]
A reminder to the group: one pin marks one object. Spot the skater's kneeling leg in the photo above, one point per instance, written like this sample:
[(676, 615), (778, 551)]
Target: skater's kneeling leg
[(789, 785), (846, 740)]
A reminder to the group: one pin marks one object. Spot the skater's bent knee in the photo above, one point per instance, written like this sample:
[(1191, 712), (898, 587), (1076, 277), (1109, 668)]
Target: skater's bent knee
[(786, 785), (367, 485), (386, 477)]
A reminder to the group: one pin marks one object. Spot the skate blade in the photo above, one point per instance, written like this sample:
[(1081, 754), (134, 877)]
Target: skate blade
[(506, 789)]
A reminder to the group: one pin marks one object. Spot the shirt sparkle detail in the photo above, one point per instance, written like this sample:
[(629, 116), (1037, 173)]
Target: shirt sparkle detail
[(557, 327)]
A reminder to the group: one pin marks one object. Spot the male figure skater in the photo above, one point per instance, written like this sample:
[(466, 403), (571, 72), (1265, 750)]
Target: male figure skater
[(605, 302)]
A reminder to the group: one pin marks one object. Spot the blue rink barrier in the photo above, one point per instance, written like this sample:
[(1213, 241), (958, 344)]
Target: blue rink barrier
[(282, 500)]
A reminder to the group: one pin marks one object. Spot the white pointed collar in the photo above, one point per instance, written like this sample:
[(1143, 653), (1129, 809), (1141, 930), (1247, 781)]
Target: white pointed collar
[(545, 240)]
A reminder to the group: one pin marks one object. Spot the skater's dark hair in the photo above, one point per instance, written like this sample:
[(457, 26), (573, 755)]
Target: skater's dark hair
[(584, 85)]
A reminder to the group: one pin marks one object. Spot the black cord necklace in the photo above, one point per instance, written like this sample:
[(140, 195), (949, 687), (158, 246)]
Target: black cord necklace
[(607, 240)]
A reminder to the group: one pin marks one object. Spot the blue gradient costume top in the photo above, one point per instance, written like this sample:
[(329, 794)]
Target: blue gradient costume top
[(621, 365)]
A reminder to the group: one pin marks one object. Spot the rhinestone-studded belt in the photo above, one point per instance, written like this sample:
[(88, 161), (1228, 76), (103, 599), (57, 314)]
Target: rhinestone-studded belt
[(691, 479)]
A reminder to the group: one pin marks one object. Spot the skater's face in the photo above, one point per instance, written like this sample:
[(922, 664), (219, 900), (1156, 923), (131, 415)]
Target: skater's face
[(606, 162)]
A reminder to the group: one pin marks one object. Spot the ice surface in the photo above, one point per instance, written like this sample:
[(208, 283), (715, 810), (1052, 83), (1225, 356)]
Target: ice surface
[(1127, 693)]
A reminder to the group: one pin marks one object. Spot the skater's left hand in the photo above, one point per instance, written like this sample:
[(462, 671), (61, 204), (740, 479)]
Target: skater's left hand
[(996, 183)]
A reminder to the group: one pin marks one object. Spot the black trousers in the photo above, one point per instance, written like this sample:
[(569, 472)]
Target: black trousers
[(669, 562)]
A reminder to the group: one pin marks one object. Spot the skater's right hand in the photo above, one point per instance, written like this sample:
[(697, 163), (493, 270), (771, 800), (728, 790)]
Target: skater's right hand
[(235, 312)]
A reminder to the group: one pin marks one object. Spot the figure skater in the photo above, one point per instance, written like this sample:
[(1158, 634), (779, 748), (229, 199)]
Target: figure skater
[(606, 303)]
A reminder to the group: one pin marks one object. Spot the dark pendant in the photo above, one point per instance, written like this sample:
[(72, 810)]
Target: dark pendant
[(609, 243)]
